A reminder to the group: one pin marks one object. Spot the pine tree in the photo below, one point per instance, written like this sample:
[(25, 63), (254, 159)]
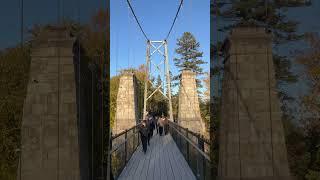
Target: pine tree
[(159, 81), (190, 56)]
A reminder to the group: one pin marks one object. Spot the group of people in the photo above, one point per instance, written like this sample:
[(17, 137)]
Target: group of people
[(147, 127)]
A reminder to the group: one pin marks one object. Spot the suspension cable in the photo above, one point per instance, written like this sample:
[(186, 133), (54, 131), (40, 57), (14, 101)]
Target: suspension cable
[(135, 17), (175, 18)]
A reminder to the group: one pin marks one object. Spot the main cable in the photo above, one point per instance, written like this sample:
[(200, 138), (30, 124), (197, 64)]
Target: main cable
[(135, 17), (175, 18)]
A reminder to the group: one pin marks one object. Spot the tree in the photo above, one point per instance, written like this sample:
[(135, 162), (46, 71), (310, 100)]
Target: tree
[(310, 119), (14, 74), (188, 49), (206, 81), (310, 60)]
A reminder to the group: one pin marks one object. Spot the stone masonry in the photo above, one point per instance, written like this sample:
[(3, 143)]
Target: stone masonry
[(127, 107), (49, 126), (252, 144), (189, 111)]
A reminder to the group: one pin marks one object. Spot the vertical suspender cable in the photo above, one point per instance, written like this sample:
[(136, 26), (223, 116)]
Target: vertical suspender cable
[(21, 44), (269, 84), (117, 51), (22, 23), (237, 105), (174, 20), (58, 123), (128, 38), (92, 71), (79, 72)]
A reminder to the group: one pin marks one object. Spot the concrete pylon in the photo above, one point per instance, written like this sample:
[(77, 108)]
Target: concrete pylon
[(189, 111), (49, 133), (252, 144), (127, 106)]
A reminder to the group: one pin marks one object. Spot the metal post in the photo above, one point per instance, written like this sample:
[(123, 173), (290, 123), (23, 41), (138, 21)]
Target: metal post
[(180, 137), (125, 145), (168, 79), (134, 134), (109, 156), (200, 164), (146, 81), (188, 158)]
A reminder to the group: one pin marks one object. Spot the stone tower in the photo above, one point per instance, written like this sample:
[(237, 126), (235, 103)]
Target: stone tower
[(127, 107), (252, 143), (189, 111), (49, 134)]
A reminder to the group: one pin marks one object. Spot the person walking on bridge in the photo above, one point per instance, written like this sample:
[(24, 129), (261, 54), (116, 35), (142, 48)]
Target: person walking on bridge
[(151, 122), (161, 125), (166, 126), (156, 119), (149, 129), (143, 130)]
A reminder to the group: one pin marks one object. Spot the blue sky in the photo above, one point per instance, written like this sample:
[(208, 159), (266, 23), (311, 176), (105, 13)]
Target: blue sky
[(41, 12), (128, 45)]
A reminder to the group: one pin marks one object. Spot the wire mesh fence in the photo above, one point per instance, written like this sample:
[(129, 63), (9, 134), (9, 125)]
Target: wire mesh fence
[(123, 146), (195, 149)]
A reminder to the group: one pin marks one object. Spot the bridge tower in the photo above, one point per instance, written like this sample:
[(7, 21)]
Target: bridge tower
[(158, 47), (189, 110), (127, 105), (252, 143), (49, 132)]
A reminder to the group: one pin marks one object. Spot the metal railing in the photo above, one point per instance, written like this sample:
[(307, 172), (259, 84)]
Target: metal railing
[(195, 149), (124, 145)]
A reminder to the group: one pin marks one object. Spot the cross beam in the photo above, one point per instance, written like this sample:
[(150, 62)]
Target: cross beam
[(157, 45)]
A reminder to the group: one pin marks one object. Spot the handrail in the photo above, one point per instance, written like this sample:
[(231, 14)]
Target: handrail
[(125, 141), (123, 132), (193, 133), (195, 146), (124, 149)]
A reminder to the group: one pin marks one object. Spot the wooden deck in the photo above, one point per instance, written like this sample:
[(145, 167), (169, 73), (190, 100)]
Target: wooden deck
[(163, 161)]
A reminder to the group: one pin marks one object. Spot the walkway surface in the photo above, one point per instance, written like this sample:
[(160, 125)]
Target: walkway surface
[(163, 160)]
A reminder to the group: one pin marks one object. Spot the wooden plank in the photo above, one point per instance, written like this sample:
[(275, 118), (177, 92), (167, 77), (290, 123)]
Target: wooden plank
[(132, 163), (156, 174), (163, 161), (128, 166), (176, 168), (152, 163), (181, 160), (167, 159)]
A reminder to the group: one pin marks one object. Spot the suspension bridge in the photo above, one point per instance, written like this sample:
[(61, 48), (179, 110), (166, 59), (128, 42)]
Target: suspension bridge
[(181, 154)]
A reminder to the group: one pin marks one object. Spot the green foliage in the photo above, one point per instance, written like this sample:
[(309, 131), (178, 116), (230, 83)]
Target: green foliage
[(188, 50), (114, 85), (14, 68), (313, 175)]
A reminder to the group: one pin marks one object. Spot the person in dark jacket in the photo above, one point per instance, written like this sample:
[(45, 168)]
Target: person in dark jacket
[(152, 126), (156, 119), (166, 126), (143, 130), (149, 130), (161, 125)]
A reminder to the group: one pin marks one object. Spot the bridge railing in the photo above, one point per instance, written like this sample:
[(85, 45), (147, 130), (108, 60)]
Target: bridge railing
[(124, 145), (195, 149)]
